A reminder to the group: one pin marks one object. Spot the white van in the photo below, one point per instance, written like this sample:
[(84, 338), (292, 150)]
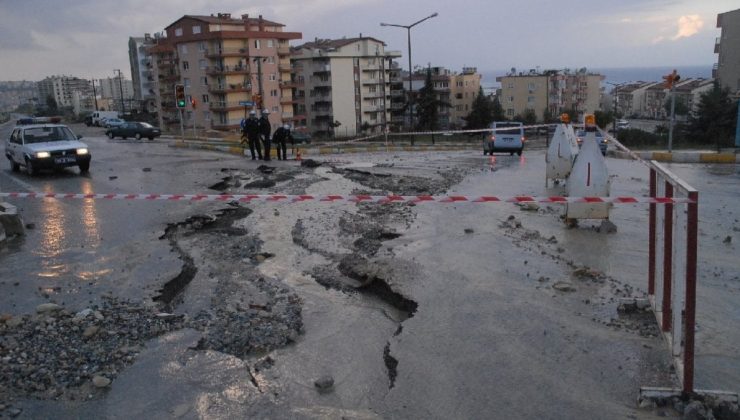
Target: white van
[(96, 116), (506, 136)]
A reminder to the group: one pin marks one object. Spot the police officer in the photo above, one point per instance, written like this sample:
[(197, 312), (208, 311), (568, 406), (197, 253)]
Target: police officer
[(251, 129), (265, 130), (282, 134)]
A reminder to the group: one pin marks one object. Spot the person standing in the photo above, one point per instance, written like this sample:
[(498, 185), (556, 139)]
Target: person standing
[(252, 131), (281, 136), (265, 130)]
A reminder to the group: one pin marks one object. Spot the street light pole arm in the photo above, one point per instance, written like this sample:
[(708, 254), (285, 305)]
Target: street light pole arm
[(422, 20)]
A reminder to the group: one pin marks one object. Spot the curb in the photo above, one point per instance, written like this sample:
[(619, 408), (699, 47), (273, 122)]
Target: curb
[(681, 157)]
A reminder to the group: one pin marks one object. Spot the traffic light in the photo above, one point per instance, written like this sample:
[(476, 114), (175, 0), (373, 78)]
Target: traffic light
[(180, 96), (671, 79), (257, 99)]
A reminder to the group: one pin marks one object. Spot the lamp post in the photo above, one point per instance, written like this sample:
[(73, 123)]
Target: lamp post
[(408, 32)]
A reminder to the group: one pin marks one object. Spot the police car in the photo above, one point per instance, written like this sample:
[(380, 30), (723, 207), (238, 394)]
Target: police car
[(46, 146)]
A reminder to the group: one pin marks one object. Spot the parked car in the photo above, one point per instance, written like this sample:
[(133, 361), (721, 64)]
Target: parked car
[(622, 124), (113, 122), (600, 140), (301, 137), (46, 146), (97, 116), (134, 129), (506, 136)]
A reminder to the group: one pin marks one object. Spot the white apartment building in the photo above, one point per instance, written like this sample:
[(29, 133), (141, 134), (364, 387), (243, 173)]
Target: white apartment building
[(142, 74), (62, 89), (727, 46), (343, 85), (112, 87)]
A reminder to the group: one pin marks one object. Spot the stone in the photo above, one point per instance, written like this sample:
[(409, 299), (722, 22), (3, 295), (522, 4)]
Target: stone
[(147, 169), (180, 410), (529, 206), (259, 258), (100, 381), (30, 226), (324, 383), (695, 410), (5, 317), (83, 313), (727, 240), (310, 163), (564, 286), (14, 322), (14, 412), (607, 227), (48, 307), (468, 231), (90, 331)]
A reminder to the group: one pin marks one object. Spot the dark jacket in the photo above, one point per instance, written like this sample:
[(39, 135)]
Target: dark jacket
[(252, 127), (264, 126), (281, 135)]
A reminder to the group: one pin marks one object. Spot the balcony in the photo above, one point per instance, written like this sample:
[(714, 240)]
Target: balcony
[(227, 52), (396, 106), (715, 70), (283, 50), (167, 62), (285, 67), (397, 92), (322, 112), (227, 70), (287, 101), (169, 78), (372, 95), (230, 88), (372, 108), (222, 106), (371, 67), (716, 45), (322, 68), (371, 81)]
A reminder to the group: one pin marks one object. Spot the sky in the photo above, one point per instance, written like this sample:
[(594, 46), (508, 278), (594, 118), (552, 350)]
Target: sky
[(89, 38)]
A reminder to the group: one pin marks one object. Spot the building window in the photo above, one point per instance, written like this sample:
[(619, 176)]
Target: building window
[(275, 109), (256, 44), (530, 99), (205, 81), (510, 112), (185, 65), (203, 64), (186, 82), (273, 77), (273, 92), (206, 115), (510, 99), (511, 85), (270, 43), (201, 46), (196, 29), (178, 31), (356, 61), (183, 49), (205, 99)]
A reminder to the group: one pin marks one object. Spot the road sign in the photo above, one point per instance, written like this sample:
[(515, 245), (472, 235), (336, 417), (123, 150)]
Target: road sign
[(246, 103)]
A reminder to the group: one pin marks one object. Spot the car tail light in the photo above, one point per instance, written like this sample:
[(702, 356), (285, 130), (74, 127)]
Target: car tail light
[(524, 139), (580, 140), (493, 138)]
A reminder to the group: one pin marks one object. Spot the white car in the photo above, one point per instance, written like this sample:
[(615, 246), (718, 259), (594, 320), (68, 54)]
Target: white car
[(46, 146), (113, 122)]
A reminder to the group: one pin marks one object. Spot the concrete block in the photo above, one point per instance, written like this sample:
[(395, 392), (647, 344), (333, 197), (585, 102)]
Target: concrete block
[(10, 220)]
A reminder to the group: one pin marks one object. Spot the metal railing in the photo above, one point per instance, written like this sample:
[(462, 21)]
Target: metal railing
[(672, 251)]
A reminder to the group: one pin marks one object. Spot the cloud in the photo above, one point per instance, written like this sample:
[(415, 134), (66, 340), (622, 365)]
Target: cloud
[(688, 26)]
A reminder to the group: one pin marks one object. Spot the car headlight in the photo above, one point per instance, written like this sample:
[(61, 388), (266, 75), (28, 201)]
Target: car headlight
[(82, 151), (42, 155)]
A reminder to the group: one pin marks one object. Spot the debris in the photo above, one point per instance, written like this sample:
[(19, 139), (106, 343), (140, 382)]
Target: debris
[(469, 230), (112, 177), (324, 384), (607, 227), (266, 169), (147, 169), (48, 307), (100, 381), (727, 240), (564, 286), (30, 226), (310, 163)]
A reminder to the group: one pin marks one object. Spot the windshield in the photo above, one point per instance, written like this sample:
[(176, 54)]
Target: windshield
[(47, 134), (146, 125)]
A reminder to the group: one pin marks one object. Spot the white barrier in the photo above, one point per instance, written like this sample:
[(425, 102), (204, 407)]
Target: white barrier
[(560, 155), (589, 177)]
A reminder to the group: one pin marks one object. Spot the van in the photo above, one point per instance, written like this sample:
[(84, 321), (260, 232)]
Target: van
[(505, 136), (96, 116)]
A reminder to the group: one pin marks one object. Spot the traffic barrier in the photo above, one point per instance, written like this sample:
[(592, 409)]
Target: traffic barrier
[(380, 199), (589, 177), (560, 155)]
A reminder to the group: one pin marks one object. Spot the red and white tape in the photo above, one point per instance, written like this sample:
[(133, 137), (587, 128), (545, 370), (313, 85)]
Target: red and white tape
[(381, 199)]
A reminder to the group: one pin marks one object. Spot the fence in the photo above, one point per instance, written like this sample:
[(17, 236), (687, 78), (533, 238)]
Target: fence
[(672, 267)]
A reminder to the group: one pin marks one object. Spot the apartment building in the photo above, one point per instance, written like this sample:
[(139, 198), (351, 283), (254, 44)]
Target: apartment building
[(555, 91), (116, 88), (688, 92), (224, 63), (342, 86), (464, 88), (142, 79), (631, 97), (727, 46), (62, 89), (455, 92)]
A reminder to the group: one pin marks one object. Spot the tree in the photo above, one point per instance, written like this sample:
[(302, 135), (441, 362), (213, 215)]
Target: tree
[(51, 105), (481, 114), (529, 117), (603, 118), (715, 118), (428, 105), (682, 107), (497, 110)]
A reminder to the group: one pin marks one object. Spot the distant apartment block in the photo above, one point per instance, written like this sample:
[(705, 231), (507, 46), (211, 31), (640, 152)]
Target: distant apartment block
[(343, 85), (62, 89), (223, 62), (115, 89), (555, 91), (688, 92), (142, 74), (631, 97), (455, 92), (727, 68)]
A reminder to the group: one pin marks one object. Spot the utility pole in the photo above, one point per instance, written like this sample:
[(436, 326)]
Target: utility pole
[(120, 87), (670, 83), (95, 95), (258, 60)]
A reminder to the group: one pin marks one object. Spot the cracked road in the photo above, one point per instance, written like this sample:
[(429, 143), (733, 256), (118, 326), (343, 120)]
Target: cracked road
[(425, 311)]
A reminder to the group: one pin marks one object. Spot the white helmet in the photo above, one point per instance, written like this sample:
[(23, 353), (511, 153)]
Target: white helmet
[(265, 111), (252, 112), (286, 126)]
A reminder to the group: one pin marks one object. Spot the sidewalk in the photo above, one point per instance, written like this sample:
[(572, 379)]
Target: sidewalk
[(684, 156)]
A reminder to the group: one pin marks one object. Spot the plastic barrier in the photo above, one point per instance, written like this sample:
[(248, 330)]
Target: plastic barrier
[(589, 177), (560, 155)]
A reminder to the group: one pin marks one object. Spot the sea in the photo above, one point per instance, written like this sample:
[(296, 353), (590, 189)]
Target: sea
[(617, 75)]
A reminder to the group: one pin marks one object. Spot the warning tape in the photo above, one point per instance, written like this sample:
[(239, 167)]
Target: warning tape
[(380, 199)]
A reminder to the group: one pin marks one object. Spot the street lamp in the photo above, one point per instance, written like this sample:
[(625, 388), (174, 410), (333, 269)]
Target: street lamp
[(120, 86), (408, 30)]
